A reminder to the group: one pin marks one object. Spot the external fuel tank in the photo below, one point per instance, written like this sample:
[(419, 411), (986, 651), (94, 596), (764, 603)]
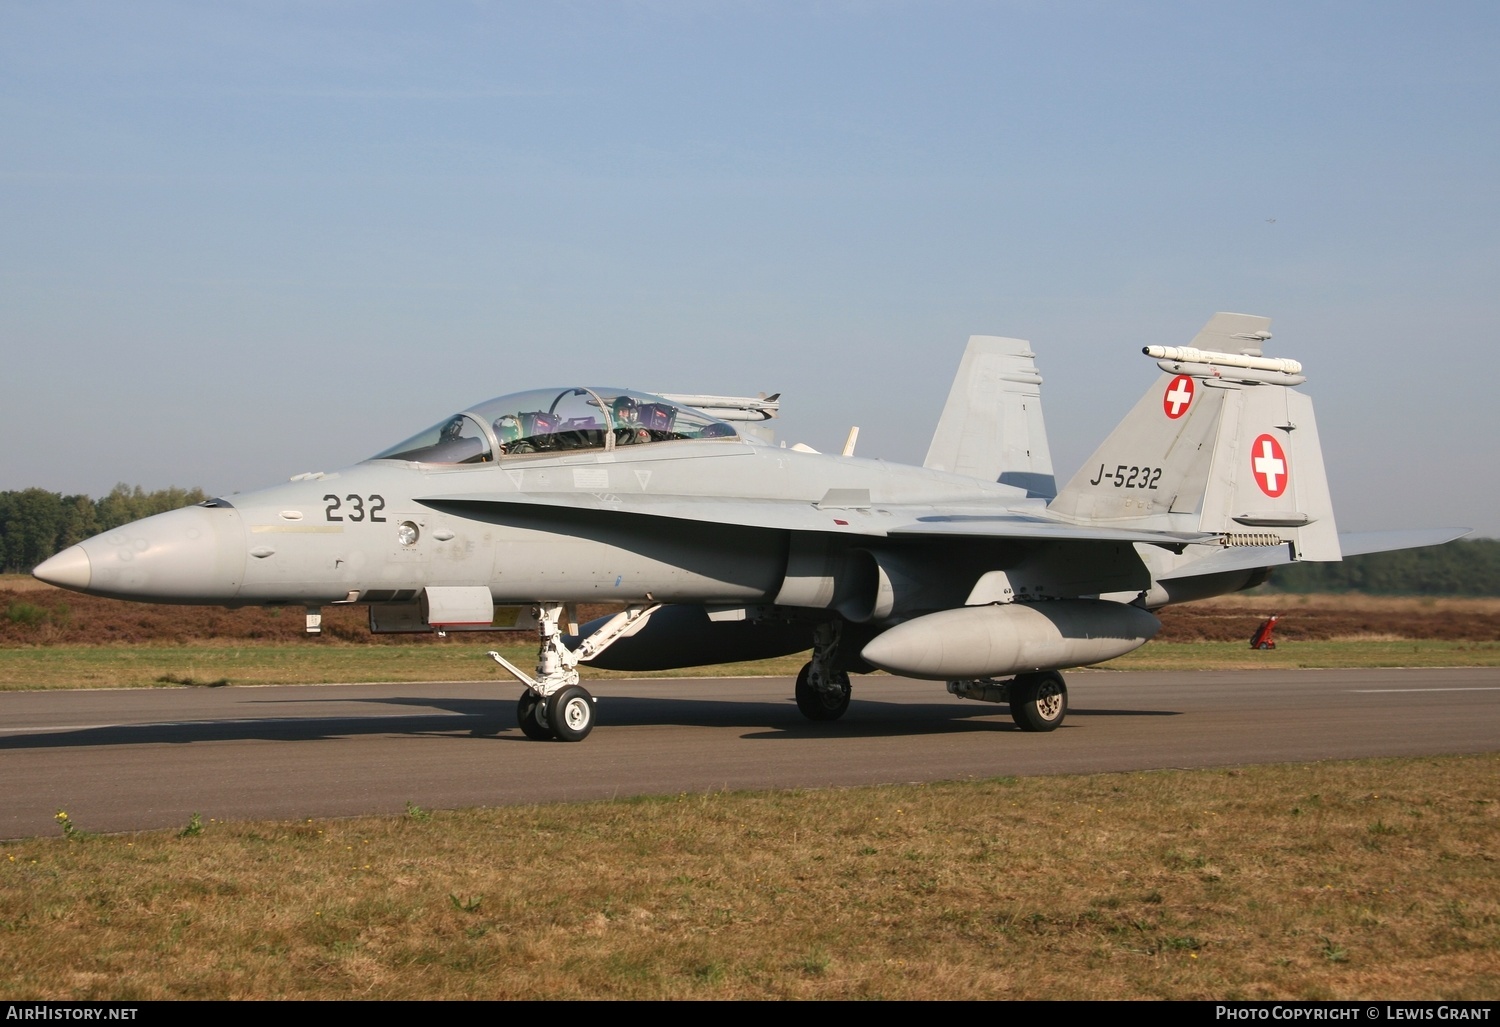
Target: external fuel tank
[(1011, 638)]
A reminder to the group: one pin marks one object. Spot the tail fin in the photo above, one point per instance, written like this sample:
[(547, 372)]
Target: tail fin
[(1221, 443), (991, 426)]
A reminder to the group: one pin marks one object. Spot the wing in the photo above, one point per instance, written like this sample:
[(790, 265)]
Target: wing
[(841, 512)]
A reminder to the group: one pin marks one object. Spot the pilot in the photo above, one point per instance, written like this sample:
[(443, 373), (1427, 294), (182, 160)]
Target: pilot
[(507, 428), (628, 427)]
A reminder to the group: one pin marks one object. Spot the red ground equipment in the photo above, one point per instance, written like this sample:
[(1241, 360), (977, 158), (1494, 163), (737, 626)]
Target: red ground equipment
[(1262, 637)]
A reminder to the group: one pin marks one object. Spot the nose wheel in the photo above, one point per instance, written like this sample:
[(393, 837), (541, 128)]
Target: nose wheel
[(531, 714), (570, 712), (568, 715)]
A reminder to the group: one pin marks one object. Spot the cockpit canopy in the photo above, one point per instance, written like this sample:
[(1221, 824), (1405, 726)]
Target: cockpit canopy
[(555, 421)]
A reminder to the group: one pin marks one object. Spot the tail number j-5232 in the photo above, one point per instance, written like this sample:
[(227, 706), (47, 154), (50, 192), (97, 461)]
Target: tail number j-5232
[(1124, 477)]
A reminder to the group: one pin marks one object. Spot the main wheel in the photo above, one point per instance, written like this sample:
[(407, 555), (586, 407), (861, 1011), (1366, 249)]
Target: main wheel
[(1038, 702), (530, 713), (817, 704), (570, 712)]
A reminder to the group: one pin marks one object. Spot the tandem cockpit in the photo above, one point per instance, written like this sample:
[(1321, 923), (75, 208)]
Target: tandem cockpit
[(554, 421)]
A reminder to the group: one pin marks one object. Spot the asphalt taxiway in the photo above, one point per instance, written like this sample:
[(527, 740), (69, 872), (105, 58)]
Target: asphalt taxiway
[(140, 759)]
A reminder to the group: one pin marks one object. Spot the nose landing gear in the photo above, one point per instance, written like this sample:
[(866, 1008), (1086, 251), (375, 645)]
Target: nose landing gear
[(554, 704)]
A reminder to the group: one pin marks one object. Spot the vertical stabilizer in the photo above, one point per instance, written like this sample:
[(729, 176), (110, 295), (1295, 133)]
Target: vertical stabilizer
[(1233, 333), (991, 426), (1221, 443)]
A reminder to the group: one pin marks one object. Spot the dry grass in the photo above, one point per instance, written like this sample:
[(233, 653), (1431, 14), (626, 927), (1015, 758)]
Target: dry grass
[(1340, 880), (49, 617), (1326, 618), (1264, 602), (25, 669), (55, 639), (21, 583)]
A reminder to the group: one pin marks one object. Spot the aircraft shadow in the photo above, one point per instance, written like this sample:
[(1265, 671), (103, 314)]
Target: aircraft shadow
[(281, 729), (495, 718), (888, 720), (779, 717)]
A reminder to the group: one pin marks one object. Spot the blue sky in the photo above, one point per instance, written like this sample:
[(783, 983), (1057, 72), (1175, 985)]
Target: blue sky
[(244, 240)]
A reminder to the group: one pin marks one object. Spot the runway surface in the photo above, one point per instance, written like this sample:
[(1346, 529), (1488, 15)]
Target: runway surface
[(149, 758)]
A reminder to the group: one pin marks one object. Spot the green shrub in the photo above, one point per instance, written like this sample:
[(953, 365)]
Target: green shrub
[(27, 613)]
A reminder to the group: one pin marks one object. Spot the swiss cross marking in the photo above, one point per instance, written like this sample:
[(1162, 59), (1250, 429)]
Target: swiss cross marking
[(1179, 396), (1268, 463)]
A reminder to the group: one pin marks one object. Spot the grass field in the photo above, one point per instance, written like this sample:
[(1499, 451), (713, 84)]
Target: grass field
[(135, 666), (55, 639), (1371, 879)]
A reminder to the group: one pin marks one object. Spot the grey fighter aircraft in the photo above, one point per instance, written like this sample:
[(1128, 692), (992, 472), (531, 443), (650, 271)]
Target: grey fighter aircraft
[(974, 569)]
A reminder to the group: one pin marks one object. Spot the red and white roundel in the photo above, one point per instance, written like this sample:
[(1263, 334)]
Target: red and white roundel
[(1268, 464), (1178, 397)]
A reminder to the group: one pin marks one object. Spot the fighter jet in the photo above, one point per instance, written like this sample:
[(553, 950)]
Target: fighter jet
[(718, 546)]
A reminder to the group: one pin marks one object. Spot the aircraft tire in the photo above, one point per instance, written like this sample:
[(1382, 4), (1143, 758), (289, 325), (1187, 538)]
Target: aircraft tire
[(529, 711), (570, 712), (816, 705), (1038, 702)]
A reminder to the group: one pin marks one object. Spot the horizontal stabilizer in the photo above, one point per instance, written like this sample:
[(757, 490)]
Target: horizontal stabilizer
[(1359, 543), (1233, 333), (1353, 543)]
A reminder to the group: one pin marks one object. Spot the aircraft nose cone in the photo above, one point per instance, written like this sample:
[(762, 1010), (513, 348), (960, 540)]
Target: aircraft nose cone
[(192, 555), (68, 569)]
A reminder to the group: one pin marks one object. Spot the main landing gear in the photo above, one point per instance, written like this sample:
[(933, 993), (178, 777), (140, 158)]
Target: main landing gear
[(1038, 702), (554, 704), (822, 692)]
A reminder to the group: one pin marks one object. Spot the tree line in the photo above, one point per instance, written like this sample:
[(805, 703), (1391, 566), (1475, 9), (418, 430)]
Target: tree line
[(1466, 567), (35, 523)]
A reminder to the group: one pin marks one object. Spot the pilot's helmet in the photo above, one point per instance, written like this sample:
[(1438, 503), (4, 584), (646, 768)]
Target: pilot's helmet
[(624, 410), (507, 428), (451, 429)]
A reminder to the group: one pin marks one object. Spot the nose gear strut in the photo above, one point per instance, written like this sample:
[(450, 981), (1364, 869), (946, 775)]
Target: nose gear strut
[(554, 704)]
